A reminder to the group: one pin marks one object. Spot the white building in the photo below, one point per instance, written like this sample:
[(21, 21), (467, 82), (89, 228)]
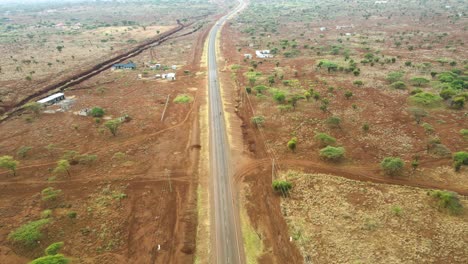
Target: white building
[(263, 54), (169, 76), (323, 28), (52, 99)]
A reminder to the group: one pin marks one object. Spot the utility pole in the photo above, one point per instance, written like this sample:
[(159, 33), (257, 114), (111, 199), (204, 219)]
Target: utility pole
[(165, 107), (168, 174), (273, 170)]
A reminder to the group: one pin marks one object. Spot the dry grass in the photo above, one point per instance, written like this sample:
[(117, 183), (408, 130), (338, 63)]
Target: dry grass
[(343, 221)]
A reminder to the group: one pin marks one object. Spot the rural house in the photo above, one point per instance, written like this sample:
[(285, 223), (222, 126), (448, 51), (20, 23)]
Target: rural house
[(124, 66), (52, 99), (263, 54)]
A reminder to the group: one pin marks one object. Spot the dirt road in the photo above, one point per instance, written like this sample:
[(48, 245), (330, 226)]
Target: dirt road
[(228, 237)]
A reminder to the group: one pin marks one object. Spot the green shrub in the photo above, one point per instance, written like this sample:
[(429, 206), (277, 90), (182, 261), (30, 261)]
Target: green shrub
[(87, 159), (260, 88), (9, 163), (46, 214), (427, 127), (394, 76), (113, 125), (397, 210), (392, 165), (447, 200), (399, 85), (464, 133), (447, 93), (332, 153), (50, 194), (459, 159), (28, 234), (23, 151), (279, 96), (182, 99), (458, 102), (97, 112), (282, 186), (334, 121), (426, 99), (248, 90), (72, 214), (419, 81), (325, 139), (416, 91), (54, 259), (53, 249), (358, 83), (292, 144), (258, 120)]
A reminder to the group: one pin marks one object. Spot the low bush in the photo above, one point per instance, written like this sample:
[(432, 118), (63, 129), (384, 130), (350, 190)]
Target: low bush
[(97, 112), (447, 200), (392, 165), (398, 85), (460, 159), (28, 234), (282, 186), (53, 259), (325, 139), (332, 153), (464, 133), (182, 99), (292, 144), (50, 194), (426, 99), (53, 249)]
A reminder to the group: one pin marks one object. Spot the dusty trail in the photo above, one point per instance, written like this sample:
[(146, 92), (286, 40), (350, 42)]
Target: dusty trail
[(359, 173)]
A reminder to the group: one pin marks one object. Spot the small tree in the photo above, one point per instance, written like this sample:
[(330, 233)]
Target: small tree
[(113, 126), (282, 186), (460, 159), (334, 121), (62, 167), (348, 94), (418, 114), (325, 139), (279, 96), (392, 165), (50, 194), (9, 163), (260, 88), (399, 85), (419, 81), (332, 153), (97, 112), (258, 120), (34, 107), (292, 144)]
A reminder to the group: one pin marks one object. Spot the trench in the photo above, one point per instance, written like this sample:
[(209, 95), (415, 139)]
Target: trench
[(96, 69)]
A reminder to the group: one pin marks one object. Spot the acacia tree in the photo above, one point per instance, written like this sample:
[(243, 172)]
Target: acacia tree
[(9, 163), (418, 114), (113, 126), (34, 107), (63, 166)]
